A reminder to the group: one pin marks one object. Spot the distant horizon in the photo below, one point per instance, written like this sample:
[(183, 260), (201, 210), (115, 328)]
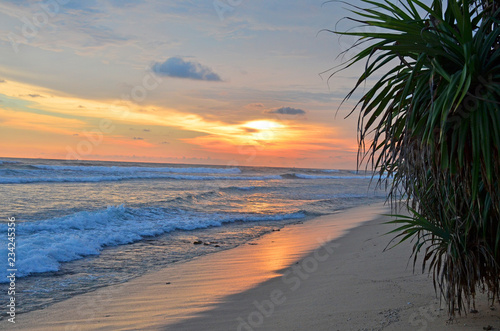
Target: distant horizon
[(228, 165)]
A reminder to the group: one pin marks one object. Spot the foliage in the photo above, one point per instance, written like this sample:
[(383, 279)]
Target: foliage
[(431, 122)]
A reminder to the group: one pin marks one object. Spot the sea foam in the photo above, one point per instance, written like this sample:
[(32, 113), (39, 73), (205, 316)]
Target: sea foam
[(42, 246), (304, 176), (116, 169), (91, 179)]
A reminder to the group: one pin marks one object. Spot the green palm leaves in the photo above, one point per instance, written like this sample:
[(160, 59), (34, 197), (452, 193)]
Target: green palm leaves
[(432, 122)]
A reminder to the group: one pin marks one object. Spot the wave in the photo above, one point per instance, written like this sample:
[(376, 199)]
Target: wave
[(359, 172), (9, 162), (331, 197), (43, 245), (115, 169), (305, 176), (92, 179), (34, 177)]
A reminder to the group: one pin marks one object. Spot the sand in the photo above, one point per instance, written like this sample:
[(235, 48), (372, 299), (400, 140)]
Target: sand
[(319, 275)]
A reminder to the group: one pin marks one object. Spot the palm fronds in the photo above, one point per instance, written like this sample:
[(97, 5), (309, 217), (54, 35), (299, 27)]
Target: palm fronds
[(432, 123)]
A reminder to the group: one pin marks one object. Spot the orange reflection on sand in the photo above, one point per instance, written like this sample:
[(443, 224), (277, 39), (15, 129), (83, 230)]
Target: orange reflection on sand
[(275, 257), (188, 289)]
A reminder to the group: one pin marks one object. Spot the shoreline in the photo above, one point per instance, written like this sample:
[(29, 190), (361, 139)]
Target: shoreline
[(329, 273)]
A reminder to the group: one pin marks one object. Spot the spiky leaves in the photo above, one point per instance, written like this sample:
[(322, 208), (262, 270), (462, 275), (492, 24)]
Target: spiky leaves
[(432, 122)]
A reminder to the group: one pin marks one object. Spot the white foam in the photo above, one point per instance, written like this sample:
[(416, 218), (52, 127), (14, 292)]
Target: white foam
[(42, 246), (304, 176), (74, 179), (115, 169)]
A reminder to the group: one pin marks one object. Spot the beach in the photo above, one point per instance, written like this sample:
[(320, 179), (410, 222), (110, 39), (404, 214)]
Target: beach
[(239, 165), (322, 274), (84, 225)]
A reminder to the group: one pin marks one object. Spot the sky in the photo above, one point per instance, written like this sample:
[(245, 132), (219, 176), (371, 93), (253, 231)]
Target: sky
[(227, 82)]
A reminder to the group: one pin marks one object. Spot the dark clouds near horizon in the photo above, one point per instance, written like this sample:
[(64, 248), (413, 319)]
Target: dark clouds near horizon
[(287, 111), (180, 68)]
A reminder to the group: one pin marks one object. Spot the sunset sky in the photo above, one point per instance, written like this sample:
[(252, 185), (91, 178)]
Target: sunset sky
[(229, 82)]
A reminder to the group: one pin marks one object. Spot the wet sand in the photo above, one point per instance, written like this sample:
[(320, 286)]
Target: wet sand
[(330, 273)]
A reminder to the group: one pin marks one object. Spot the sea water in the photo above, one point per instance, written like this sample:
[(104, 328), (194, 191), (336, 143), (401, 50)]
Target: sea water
[(82, 225)]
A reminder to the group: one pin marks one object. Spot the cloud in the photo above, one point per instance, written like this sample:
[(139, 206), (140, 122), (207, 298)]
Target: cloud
[(250, 130), (178, 67), (138, 138), (31, 95), (146, 130), (287, 111), (2, 80), (255, 105)]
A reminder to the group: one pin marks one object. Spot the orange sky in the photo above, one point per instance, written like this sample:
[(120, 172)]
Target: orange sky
[(238, 94)]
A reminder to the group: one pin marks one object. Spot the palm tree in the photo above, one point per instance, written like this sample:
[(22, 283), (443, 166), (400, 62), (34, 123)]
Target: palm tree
[(432, 123)]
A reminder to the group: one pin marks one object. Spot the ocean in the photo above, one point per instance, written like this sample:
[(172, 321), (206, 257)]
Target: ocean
[(82, 225)]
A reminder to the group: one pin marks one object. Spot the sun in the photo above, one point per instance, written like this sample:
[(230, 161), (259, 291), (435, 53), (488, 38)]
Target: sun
[(262, 125), (261, 131)]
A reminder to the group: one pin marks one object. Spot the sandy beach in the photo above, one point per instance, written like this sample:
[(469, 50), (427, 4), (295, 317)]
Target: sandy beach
[(226, 165), (322, 274)]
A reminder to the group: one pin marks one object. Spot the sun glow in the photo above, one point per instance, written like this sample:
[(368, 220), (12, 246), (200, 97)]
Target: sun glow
[(263, 125), (261, 131), (44, 117)]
